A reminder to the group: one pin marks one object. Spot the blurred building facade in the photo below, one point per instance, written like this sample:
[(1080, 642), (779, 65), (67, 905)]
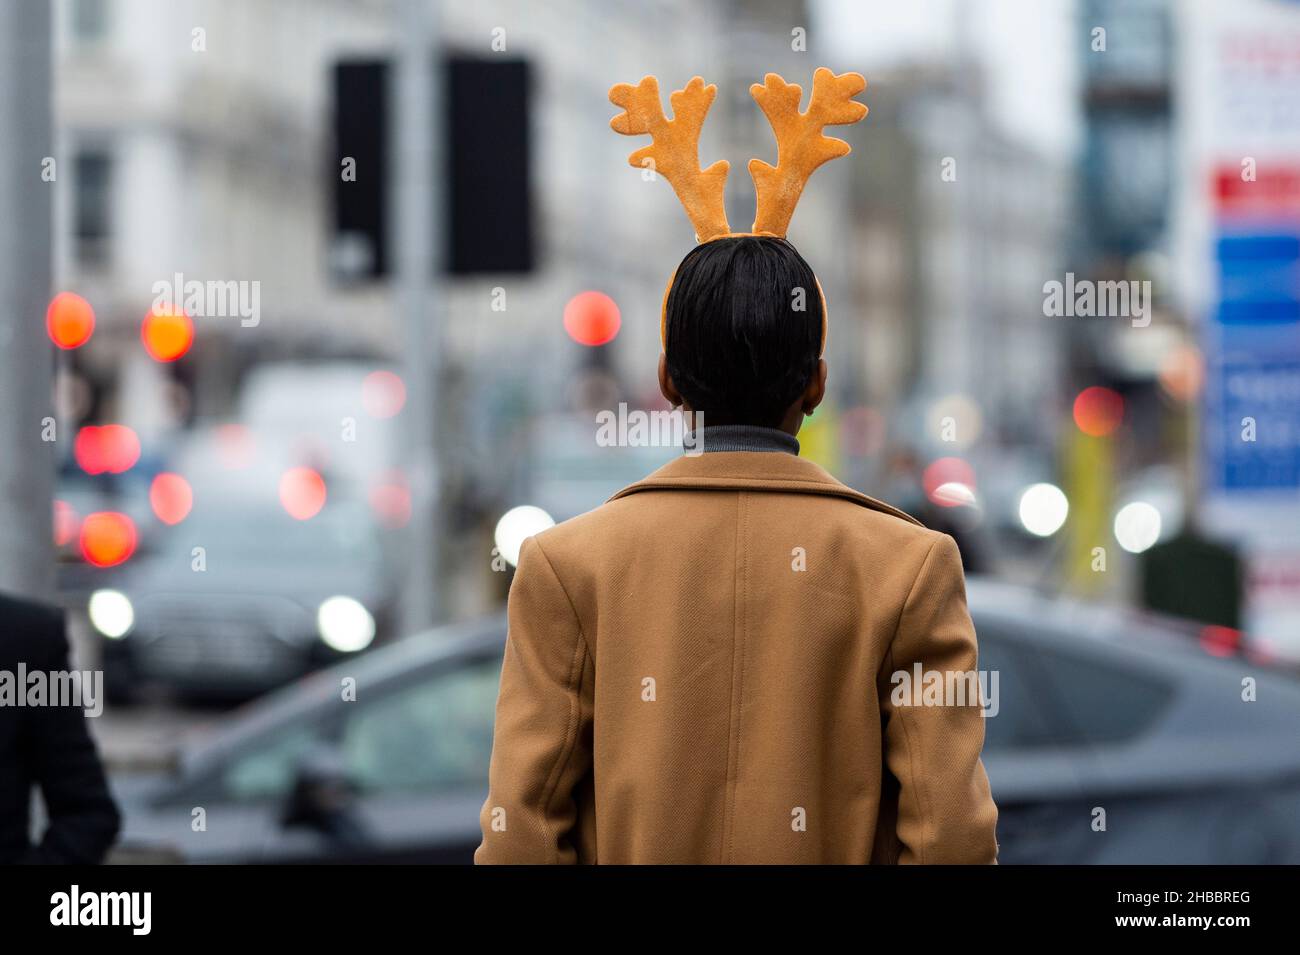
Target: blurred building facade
[(956, 226), (194, 140), (191, 138), (197, 135)]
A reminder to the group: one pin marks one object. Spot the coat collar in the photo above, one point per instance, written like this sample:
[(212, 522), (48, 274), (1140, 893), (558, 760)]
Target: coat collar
[(743, 437), (753, 471)]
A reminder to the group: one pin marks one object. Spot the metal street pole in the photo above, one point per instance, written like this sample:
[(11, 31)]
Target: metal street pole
[(26, 461), (416, 213)]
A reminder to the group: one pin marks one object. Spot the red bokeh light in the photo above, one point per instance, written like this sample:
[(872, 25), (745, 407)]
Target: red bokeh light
[(107, 538), (383, 394), (69, 320), (171, 498), (947, 471), (592, 318), (106, 449), (1220, 641), (65, 523), (167, 333), (1182, 373), (302, 492), (390, 499), (1098, 411)]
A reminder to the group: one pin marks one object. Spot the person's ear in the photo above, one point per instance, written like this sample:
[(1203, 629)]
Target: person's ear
[(816, 390), (666, 386)]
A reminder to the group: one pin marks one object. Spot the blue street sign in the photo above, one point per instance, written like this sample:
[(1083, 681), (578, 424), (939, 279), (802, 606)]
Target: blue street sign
[(1252, 350)]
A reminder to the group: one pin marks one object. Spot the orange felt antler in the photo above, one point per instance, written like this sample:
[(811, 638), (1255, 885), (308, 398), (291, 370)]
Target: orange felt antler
[(674, 151), (801, 146)]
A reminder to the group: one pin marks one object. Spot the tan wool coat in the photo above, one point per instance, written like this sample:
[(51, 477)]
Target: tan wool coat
[(699, 671)]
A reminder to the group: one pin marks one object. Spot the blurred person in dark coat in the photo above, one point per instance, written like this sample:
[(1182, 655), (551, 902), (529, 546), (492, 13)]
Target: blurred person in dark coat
[(48, 747)]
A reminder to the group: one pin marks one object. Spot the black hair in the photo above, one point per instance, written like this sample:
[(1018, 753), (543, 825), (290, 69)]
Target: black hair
[(739, 349)]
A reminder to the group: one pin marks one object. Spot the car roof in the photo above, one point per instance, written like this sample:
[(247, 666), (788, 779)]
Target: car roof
[(1040, 610)]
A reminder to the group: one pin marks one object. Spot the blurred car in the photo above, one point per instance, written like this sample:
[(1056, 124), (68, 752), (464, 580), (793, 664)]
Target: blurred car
[(1115, 740), (396, 773), (1123, 739), (240, 598)]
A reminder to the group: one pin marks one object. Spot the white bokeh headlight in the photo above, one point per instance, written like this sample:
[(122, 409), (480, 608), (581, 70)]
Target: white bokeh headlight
[(1137, 526), (516, 526), (111, 613), (344, 624), (1043, 509)]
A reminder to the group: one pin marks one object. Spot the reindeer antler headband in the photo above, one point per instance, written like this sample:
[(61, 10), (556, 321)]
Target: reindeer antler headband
[(801, 147)]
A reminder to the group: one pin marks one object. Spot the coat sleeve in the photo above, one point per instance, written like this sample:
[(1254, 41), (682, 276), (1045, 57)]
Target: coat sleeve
[(945, 812), (541, 749), (83, 819)]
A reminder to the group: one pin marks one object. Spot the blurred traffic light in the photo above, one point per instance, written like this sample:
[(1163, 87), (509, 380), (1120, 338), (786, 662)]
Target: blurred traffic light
[(167, 333), (1098, 411), (485, 184), (592, 318), (487, 153), (360, 170), (107, 538), (69, 320), (106, 449)]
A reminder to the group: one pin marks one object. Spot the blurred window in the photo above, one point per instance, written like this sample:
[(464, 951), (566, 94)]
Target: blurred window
[(1102, 701), (436, 734), (1050, 696), (89, 20), (268, 771), (93, 197), (1020, 722)]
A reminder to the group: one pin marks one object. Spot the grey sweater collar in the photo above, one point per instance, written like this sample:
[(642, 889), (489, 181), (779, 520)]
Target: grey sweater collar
[(744, 437)]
